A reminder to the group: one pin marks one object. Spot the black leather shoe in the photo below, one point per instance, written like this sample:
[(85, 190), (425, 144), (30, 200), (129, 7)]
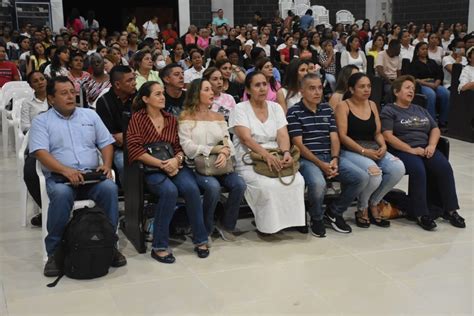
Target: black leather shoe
[(36, 220), (169, 258), (378, 221), (50, 268), (426, 222), (455, 219), (119, 260), (361, 221), (302, 229), (202, 253)]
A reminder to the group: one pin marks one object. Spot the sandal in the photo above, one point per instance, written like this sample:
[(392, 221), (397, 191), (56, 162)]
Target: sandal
[(378, 221), (361, 221)]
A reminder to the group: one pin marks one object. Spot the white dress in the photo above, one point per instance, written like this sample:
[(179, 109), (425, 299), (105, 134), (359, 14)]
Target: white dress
[(274, 205)]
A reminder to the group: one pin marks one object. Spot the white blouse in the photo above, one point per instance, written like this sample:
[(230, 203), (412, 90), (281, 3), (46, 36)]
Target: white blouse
[(29, 110), (467, 75)]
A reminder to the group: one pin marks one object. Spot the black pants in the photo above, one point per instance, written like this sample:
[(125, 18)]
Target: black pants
[(31, 179)]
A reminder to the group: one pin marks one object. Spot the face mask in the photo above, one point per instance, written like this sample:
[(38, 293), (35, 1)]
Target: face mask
[(74, 44), (160, 64)]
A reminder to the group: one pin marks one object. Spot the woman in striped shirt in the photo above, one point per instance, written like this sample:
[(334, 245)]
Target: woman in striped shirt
[(150, 124)]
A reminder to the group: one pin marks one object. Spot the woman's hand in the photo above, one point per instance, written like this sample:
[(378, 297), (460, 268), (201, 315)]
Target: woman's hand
[(429, 151), (371, 153), (273, 162), (381, 152), (170, 166), (221, 160), (418, 151), (287, 160)]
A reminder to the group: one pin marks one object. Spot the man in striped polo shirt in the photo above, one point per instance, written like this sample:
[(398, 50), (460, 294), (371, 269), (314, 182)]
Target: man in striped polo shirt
[(312, 129)]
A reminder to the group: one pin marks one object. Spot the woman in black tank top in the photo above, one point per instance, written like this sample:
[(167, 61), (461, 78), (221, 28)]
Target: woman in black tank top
[(359, 129)]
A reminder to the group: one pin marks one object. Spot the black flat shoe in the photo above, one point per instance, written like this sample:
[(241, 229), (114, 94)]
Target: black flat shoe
[(361, 221), (455, 219), (36, 220), (380, 222), (202, 253), (166, 259), (426, 222)]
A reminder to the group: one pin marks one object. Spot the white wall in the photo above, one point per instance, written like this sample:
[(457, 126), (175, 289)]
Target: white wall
[(374, 11), (227, 6), (470, 16), (57, 15), (184, 16)]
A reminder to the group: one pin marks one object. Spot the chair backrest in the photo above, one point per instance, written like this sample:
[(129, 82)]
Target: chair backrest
[(455, 73), (344, 17), (305, 2), (15, 90), (300, 9), (370, 65), (338, 63), (284, 7), (321, 15), (405, 66), (16, 109), (93, 106)]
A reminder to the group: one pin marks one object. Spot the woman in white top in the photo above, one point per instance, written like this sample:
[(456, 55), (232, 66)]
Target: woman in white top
[(39, 103), (420, 37), (354, 55), (200, 130), (435, 51), (223, 103), (290, 94), (466, 80), (58, 66), (258, 125)]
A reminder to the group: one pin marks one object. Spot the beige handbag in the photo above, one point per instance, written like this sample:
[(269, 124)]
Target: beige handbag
[(260, 165), (205, 165)]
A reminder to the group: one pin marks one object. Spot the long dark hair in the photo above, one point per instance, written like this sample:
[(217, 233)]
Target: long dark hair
[(144, 91), (353, 79), (259, 65), (56, 62), (415, 52), (291, 83), (344, 74)]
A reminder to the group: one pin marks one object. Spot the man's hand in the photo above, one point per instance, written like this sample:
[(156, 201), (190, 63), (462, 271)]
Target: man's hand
[(105, 170), (74, 176)]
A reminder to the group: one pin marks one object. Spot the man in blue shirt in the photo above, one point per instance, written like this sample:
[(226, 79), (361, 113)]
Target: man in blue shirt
[(307, 20), (219, 20), (65, 140), (312, 129)]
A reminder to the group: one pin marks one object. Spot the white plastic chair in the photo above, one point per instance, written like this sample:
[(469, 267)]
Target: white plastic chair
[(285, 6), (305, 2), (301, 8), (94, 105), (11, 91), (321, 15), (344, 17), (17, 132)]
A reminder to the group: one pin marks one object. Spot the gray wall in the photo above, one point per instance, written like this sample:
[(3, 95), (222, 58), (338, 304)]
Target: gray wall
[(432, 12), (200, 11)]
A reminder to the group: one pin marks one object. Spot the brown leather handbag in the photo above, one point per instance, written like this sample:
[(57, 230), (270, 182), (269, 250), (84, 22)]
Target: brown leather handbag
[(260, 165), (389, 211), (205, 165)]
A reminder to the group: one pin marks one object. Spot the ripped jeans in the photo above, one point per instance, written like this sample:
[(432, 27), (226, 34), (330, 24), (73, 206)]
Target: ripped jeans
[(384, 175)]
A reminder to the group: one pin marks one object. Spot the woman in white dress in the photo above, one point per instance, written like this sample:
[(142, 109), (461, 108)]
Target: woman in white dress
[(258, 125)]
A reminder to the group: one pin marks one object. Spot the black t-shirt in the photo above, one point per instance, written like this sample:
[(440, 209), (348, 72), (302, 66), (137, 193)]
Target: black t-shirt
[(174, 105), (430, 70), (236, 90), (232, 43), (110, 109)]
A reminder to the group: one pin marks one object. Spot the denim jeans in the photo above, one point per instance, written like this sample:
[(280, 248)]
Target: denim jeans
[(438, 171), (61, 201), (118, 163), (379, 184), (353, 181), (211, 186), (443, 94), (167, 189)]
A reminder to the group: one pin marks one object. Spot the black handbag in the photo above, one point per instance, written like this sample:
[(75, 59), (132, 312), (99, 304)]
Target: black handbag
[(159, 150)]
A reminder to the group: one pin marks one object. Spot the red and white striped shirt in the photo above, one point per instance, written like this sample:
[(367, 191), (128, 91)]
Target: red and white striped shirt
[(141, 131)]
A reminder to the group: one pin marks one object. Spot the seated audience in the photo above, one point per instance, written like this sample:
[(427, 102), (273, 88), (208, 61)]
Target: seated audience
[(265, 66), (456, 57), (389, 64), (435, 51), (378, 44), (290, 94), (341, 85), (151, 124), (173, 79), (354, 55), (197, 69), (75, 73), (8, 70), (466, 79), (258, 125), (112, 105), (222, 103), (312, 129), (37, 58), (406, 50), (144, 68), (235, 89), (57, 138), (200, 130), (429, 76), (328, 63), (358, 125), (412, 134), (98, 81)]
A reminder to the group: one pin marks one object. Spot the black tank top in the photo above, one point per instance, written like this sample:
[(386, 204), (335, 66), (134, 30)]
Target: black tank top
[(358, 129)]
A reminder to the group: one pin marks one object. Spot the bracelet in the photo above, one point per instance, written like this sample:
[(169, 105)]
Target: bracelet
[(335, 157), (180, 159)]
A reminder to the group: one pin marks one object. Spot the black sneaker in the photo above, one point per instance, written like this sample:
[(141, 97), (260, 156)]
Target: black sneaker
[(337, 222), (426, 222), (50, 268), (36, 220), (119, 260), (455, 219), (318, 229)]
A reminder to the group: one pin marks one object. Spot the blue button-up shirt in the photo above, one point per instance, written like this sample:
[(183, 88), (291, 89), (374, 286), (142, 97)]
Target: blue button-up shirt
[(73, 140)]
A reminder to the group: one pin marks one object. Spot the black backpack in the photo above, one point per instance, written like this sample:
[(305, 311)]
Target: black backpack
[(87, 247)]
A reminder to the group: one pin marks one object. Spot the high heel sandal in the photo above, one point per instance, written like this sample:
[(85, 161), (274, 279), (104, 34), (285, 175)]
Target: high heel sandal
[(378, 221), (361, 221)]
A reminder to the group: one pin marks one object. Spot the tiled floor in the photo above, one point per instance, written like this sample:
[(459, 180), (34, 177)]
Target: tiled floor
[(401, 270)]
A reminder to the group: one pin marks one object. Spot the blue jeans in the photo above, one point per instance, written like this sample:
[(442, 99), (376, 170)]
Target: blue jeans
[(61, 201), (353, 181), (392, 170), (443, 94), (118, 163), (167, 190), (438, 171), (211, 186)]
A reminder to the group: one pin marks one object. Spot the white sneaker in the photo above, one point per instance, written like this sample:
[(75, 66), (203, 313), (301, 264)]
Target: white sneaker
[(225, 234)]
